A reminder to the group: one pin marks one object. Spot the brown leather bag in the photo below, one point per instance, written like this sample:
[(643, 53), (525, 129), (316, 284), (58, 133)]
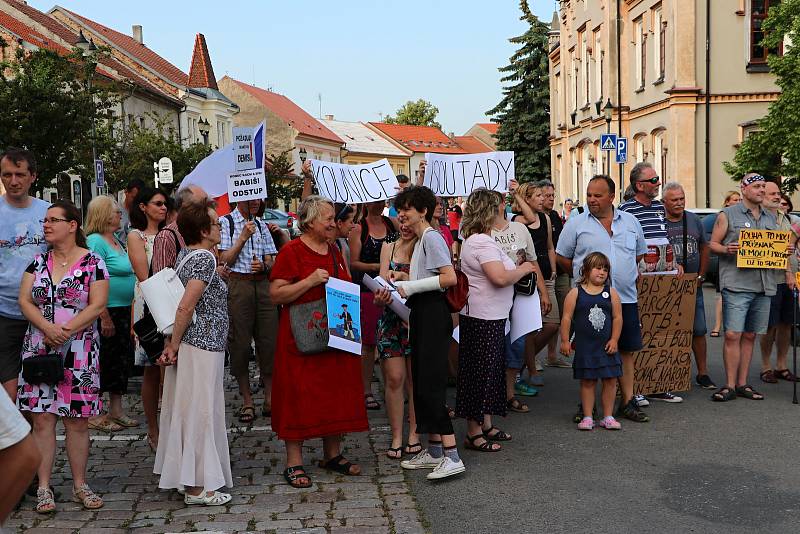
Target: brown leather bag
[(457, 296)]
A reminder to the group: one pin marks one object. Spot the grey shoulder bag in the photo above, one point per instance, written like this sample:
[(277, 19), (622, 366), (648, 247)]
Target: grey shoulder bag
[(309, 321)]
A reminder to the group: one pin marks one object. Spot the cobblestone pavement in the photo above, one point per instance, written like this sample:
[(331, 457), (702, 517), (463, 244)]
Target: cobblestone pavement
[(121, 465)]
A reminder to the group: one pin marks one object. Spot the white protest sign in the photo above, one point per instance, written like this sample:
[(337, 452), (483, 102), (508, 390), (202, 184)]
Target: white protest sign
[(355, 184), (243, 150), (247, 185), (526, 315), (457, 175)]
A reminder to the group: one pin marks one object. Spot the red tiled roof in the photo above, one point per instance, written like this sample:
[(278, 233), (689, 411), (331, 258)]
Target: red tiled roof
[(29, 34), (490, 127), (66, 35), (135, 49), (420, 138), (201, 73), (471, 144), (294, 115)]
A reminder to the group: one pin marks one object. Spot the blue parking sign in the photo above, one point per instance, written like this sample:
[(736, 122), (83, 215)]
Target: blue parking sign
[(622, 150), (99, 173), (608, 142)]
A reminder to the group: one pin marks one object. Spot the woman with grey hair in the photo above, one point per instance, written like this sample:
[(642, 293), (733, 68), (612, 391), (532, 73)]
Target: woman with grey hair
[(320, 394)]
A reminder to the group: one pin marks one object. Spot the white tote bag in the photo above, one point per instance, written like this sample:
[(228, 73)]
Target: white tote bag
[(163, 292)]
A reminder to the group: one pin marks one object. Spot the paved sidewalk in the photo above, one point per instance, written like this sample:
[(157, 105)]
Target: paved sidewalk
[(120, 470)]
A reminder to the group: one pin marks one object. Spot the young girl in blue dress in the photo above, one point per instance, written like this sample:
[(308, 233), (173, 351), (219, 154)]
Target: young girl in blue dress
[(597, 313)]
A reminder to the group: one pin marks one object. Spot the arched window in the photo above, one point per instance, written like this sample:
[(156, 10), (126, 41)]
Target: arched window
[(660, 155), (638, 148)]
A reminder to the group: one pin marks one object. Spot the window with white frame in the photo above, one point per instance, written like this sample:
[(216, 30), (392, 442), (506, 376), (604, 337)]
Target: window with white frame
[(639, 52), (638, 148), (759, 11), (557, 99), (598, 159), (573, 80), (659, 155), (585, 67), (562, 100), (587, 165), (598, 54), (573, 161), (659, 44)]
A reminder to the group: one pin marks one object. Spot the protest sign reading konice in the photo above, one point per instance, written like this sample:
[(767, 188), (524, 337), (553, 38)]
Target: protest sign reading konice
[(459, 174), (355, 184)]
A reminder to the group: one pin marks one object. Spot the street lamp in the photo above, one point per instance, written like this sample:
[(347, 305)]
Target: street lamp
[(89, 52), (303, 155), (608, 111), (205, 129)]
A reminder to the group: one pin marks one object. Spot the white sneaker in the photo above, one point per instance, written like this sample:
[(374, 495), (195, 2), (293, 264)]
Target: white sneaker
[(446, 468), (641, 401), (665, 397), (422, 460)]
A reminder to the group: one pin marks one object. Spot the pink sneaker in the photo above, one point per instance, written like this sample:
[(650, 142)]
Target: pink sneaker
[(587, 423), (609, 423)]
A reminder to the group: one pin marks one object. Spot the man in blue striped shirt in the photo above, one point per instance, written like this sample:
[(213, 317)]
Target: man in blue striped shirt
[(645, 185)]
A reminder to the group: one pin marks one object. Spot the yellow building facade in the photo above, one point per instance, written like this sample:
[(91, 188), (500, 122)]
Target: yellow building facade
[(681, 109)]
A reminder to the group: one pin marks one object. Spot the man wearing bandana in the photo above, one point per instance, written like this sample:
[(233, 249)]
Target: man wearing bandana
[(746, 292)]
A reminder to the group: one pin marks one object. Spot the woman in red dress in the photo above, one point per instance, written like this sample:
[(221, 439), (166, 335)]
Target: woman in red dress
[(314, 395)]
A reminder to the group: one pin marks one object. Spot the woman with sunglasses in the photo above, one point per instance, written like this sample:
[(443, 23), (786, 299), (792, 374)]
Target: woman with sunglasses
[(62, 294), (148, 215)]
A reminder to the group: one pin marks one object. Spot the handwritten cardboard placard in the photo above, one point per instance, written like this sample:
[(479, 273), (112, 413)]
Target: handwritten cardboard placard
[(762, 249), (458, 175), (243, 149), (666, 313), (355, 184), (247, 185)]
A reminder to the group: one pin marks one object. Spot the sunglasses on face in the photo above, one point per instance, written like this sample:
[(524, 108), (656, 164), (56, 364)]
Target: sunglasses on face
[(158, 203), (654, 180)]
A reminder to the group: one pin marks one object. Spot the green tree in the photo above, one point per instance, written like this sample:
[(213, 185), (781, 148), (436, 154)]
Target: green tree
[(774, 150), (48, 106), (129, 152), (524, 111), (419, 113), (282, 183)]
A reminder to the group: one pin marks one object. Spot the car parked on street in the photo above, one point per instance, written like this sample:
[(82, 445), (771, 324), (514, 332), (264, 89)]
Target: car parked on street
[(283, 220)]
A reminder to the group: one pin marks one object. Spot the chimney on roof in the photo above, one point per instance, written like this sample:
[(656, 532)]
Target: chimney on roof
[(328, 117), (137, 33)]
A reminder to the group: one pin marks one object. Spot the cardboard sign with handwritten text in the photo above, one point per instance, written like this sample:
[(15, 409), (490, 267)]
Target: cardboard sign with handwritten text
[(762, 249), (666, 313)]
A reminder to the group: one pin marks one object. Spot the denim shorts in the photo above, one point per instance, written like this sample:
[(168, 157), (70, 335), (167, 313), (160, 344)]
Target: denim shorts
[(515, 353), (630, 339), (699, 328), (744, 311)]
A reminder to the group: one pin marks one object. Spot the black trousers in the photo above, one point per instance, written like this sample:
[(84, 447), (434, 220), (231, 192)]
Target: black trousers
[(430, 331)]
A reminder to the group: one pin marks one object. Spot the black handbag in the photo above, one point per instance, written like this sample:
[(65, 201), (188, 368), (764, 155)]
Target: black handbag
[(45, 368), (526, 285), (150, 339)]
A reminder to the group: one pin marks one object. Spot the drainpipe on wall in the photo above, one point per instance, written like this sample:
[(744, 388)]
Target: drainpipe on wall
[(619, 94), (708, 104)]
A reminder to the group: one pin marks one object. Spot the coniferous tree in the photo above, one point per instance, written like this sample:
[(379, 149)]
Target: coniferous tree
[(524, 111)]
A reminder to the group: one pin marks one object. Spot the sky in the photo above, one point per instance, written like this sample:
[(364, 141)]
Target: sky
[(365, 57)]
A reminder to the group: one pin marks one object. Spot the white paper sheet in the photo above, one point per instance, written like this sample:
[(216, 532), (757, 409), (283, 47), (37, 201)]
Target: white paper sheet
[(526, 315), (343, 302), (398, 304)]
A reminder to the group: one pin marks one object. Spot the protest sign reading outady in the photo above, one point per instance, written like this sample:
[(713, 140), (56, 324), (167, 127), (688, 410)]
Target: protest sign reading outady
[(666, 312), (247, 185), (458, 175), (355, 184)]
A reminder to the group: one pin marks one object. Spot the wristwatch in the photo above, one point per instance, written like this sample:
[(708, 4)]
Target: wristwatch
[(702, 278)]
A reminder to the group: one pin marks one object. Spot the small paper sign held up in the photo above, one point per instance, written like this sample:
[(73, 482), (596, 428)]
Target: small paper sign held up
[(247, 185), (762, 249), (343, 302)]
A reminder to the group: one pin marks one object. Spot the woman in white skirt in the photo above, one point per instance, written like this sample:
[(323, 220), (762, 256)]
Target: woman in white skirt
[(192, 454)]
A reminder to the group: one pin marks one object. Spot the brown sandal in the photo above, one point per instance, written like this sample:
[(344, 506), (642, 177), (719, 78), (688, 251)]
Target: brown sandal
[(768, 376), (515, 405), (785, 374), (85, 496)]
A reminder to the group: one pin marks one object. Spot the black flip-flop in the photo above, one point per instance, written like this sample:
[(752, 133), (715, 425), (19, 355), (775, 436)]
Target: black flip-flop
[(247, 414), (370, 402), (291, 476)]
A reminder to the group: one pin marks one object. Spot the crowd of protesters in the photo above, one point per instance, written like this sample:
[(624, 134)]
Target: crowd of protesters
[(70, 284)]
